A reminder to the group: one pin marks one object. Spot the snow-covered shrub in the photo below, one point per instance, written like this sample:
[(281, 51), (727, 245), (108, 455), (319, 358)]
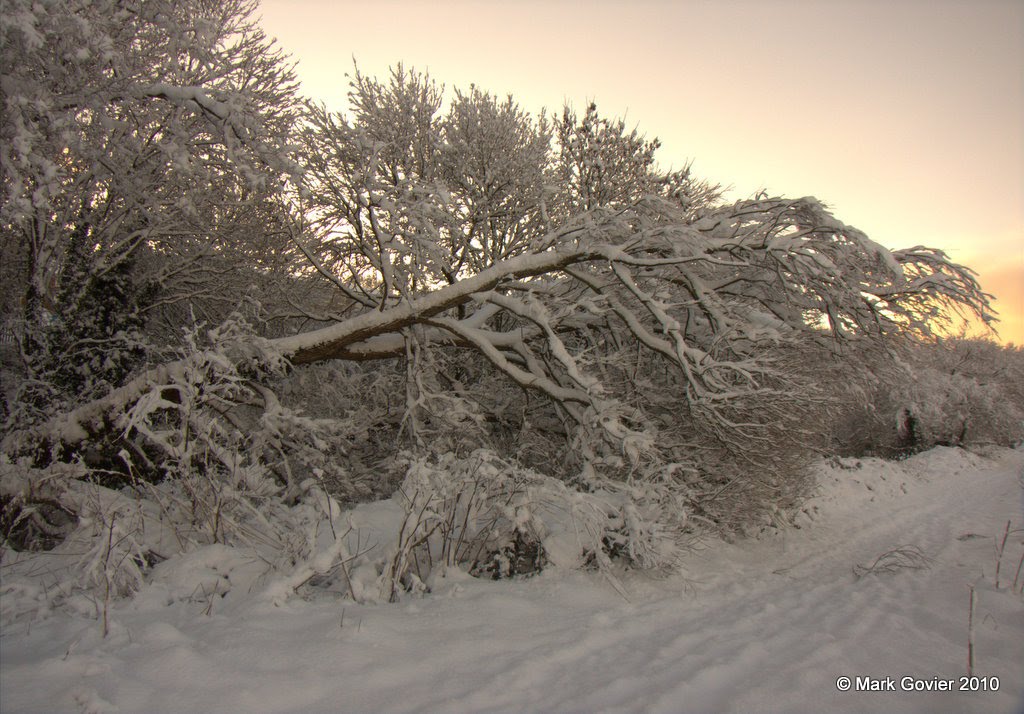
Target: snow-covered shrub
[(121, 541), (224, 437), (496, 519), (208, 455), (33, 515), (461, 512), (951, 392)]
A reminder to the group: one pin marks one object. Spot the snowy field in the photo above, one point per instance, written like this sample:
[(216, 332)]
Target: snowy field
[(760, 625)]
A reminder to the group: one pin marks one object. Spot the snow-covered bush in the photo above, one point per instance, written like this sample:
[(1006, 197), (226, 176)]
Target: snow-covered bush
[(120, 540), (495, 519), (463, 512), (203, 431), (951, 392)]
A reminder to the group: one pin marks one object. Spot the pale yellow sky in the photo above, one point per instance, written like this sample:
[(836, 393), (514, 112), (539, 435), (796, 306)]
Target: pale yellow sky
[(905, 116)]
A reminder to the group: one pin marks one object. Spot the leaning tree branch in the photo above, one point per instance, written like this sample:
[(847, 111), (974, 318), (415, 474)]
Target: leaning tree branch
[(611, 258)]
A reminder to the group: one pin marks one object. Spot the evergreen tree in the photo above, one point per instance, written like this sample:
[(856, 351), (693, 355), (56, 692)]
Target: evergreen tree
[(94, 339)]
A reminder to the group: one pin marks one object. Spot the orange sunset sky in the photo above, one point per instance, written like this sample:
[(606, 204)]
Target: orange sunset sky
[(905, 116)]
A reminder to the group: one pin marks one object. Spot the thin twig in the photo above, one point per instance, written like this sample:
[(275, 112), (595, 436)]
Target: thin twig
[(970, 637), (999, 552), (1017, 576), (904, 556)]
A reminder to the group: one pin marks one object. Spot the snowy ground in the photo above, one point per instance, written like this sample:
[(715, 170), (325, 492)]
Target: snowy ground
[(766, 625)]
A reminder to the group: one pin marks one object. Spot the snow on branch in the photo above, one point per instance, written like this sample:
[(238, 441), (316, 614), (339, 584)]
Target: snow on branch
[(712, 298)]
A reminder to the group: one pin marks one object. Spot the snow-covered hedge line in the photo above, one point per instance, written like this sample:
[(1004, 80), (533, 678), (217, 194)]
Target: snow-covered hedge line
[(951, 392)]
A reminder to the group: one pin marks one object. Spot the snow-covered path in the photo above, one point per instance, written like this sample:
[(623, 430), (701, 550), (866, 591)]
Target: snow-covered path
[(766, 625)]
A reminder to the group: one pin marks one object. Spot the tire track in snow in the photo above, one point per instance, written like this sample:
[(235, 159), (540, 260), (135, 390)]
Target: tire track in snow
[(705, 652)]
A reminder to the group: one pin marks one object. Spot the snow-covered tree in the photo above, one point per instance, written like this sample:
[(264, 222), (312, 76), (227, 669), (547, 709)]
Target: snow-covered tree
[(95, 340), (548, 295), (373, 191), (131, 128), (493, 160), (598, 163)]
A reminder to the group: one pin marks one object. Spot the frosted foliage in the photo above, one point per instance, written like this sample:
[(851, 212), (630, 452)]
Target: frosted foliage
[(157, 132), (488, 516), (94, 81), (125, 539), (544, 348), (952, 392)]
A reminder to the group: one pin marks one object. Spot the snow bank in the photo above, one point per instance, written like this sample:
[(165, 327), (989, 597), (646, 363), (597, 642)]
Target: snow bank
[(766, 625)]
